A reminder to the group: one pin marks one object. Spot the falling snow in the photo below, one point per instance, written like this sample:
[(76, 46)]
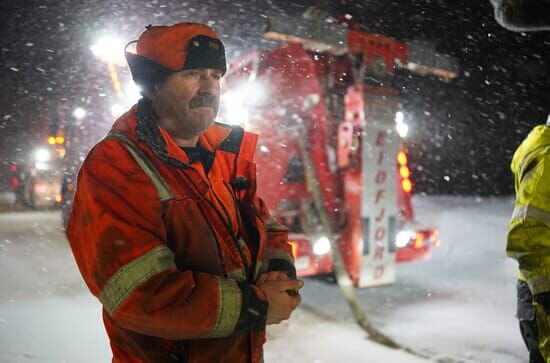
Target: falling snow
[(462, 135)]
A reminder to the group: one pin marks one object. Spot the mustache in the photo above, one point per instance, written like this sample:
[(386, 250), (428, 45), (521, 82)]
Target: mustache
[(204, 100)]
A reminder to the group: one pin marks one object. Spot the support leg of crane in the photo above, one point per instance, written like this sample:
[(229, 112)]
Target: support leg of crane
[(344, 282)]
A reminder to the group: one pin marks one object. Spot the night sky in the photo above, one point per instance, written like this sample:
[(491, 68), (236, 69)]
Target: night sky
[(463, 133)]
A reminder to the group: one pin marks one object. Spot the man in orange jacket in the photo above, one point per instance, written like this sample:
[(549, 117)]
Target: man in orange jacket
[(166, 226)]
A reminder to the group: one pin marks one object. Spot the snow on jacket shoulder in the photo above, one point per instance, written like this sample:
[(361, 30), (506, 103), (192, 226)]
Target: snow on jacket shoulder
[(529, 231), (172, 253)]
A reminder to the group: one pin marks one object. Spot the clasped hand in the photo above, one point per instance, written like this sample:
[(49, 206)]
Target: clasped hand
[(281, 293)]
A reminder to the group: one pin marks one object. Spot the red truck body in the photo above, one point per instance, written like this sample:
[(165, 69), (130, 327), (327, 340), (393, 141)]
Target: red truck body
[(305, 102)]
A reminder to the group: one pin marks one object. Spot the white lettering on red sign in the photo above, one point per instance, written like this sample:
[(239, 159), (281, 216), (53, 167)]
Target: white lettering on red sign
[(379, 217), (380, 211)]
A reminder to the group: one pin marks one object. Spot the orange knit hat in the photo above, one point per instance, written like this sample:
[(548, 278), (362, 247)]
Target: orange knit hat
[(163, 50)]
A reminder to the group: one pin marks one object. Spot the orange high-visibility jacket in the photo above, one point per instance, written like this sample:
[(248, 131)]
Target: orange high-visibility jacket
[(172, 253)]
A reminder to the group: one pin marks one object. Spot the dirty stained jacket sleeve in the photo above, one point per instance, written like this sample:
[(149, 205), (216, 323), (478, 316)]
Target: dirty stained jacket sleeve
[(279, 251), (528, 239), (118, 239)]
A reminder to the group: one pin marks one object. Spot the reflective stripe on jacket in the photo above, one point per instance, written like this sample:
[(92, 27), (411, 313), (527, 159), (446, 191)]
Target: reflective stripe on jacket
[(529, 231), (172, 253)]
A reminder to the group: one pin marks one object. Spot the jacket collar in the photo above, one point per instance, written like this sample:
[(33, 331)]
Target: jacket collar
[(140, 123)]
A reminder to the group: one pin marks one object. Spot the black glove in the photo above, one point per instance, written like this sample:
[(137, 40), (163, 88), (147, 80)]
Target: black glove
[(253, 315), (280, 264)]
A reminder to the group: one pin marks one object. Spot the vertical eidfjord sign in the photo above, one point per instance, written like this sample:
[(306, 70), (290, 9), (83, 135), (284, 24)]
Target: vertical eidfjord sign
[(379, 197)]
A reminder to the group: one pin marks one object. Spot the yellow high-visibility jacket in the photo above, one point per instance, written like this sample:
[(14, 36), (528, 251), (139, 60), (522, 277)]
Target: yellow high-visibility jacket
[(529, 232), (528, 239)]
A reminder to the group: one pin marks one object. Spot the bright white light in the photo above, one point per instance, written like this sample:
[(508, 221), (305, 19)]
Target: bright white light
[(321, 246), (236, 113), (400, 125), (404, 237), (117, 110), (42, 155), (133, 92), (79, 113), (236, 102), (254, 92), (39, 165), (110, 50), (399, 117), (264, 149), (402, 129)]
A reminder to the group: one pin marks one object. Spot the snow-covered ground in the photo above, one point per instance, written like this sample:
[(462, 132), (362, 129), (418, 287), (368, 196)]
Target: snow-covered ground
[(459, 306)]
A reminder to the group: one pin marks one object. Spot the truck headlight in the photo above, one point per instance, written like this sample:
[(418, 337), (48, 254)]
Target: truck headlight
[(321, 246), (42, 155), (404, 237), (40, 165)]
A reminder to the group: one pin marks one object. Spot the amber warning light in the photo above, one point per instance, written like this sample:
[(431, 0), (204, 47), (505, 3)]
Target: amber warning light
[(404, 172)]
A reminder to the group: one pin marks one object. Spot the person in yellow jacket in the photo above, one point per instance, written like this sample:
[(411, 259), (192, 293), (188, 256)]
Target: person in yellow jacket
[(528, 240)]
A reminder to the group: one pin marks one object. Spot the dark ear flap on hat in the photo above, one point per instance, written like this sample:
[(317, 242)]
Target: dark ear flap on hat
[(145, 72)]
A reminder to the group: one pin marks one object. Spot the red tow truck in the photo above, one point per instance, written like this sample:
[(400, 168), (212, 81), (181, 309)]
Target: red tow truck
[(330, 143)]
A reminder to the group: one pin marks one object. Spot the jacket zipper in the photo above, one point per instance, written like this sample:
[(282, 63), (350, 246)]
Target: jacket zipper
[(225, 222), (239, 221), (236, 205), (218, 245), (229, 226)]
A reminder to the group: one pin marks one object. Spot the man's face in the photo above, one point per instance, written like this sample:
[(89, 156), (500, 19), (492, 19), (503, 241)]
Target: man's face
[(188, 101)]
